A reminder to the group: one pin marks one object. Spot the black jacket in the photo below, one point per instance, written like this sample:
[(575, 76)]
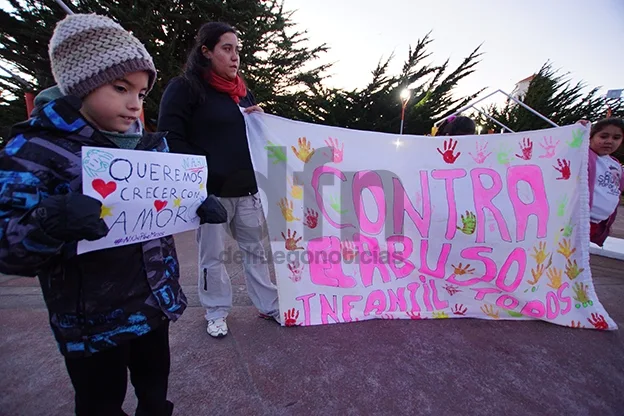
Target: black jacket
[(215, 129), (99, 299)]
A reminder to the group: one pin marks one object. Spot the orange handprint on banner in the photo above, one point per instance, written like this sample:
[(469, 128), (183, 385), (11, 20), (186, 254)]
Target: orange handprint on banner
[(305, 151), (460, 270), (291, 241), (286, 207)]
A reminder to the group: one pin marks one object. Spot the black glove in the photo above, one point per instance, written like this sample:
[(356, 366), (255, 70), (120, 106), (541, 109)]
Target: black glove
[(211, 211), (71, 217)]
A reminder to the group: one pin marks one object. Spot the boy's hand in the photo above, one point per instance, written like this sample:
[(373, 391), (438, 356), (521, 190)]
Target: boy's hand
[(211, 211), (71, 217), (254, 109)]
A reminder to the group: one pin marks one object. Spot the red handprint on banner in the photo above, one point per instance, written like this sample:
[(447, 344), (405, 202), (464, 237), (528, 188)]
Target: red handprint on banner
[(414, 315), (290, 317), (451, 289), (295, 270), (449, 155), (337, 152), (311, 218), (348, 251), (459, 309), (291, 241), (481, 155), (598, 321), (564, 169), (526, 146)]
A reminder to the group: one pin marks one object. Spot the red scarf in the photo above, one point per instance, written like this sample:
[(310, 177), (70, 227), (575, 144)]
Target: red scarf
[(235, 88)]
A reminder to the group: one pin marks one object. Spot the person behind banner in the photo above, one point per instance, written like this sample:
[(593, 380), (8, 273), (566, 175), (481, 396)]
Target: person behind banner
[(201, 112), (606, 176), (456, 126), (109, 310)]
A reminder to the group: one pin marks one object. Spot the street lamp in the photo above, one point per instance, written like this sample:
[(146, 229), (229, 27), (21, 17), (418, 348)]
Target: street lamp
[(405, 96)]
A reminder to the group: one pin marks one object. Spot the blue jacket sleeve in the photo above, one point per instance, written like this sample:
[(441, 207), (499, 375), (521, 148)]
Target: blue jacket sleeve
[(24, 246)]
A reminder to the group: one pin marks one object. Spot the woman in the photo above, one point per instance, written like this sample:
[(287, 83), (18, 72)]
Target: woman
[(200, 111)]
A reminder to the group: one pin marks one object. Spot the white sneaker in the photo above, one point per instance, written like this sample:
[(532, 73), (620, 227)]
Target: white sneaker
[(217, 328)]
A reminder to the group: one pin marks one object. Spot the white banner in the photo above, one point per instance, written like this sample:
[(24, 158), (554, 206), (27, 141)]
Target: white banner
[(370, 225), (144, 195)]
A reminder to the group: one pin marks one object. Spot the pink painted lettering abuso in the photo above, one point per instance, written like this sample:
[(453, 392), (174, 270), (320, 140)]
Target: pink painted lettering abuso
[(518, 256), (474, 254), (396, 256), (483, 200), (442, 259), (371, 259), (532, 175), (324, 271)]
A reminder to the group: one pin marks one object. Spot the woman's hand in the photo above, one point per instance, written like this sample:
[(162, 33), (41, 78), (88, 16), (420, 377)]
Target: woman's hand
[(253, 109), (584, 122)]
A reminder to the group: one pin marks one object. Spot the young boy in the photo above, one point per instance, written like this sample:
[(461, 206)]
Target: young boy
[(109, 309)]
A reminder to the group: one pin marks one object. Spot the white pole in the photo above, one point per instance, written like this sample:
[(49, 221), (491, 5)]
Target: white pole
[(64, 7)]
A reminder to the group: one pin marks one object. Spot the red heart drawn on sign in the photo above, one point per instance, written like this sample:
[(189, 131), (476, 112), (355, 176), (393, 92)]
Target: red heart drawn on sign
[(103, 188), (159, 205)]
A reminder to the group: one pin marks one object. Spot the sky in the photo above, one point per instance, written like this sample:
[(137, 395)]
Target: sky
[(581, 37)]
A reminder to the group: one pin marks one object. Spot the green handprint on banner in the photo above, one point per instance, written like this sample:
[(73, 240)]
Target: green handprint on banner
[(580, 294), (561, 206), (276, 153), (577, 139), (568, 229), (503, 155), (469, 223), (515, 314), (335, 204)]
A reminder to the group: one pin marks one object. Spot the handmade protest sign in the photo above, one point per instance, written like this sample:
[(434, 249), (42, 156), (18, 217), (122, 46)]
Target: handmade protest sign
[(370, 225), (144, 195)]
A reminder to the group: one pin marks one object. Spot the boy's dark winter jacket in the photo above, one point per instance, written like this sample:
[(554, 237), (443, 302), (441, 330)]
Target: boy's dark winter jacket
[(99, 299)]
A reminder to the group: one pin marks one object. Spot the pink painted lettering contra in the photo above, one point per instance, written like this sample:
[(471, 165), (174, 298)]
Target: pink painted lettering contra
[(441, 262), (316, 177), (402, 205), (370, 180), (449, 175), (532, 175), (395, 255), (323, 271), (483, 199), (306, 307)]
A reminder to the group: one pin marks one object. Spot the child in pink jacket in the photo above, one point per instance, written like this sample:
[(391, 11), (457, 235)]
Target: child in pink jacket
[(606, 177)]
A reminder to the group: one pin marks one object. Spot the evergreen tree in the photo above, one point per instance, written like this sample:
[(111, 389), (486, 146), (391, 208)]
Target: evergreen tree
[(377, 107), (275, 60)]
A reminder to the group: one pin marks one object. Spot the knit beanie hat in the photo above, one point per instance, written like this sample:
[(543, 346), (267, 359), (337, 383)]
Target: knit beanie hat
[(89, 50)]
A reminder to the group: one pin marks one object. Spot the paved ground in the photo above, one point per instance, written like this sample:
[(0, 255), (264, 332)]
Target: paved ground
[(441, 367)]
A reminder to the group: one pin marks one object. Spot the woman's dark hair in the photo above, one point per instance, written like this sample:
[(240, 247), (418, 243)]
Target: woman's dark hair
[(457, 126), (600, 125), (197, 64)]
